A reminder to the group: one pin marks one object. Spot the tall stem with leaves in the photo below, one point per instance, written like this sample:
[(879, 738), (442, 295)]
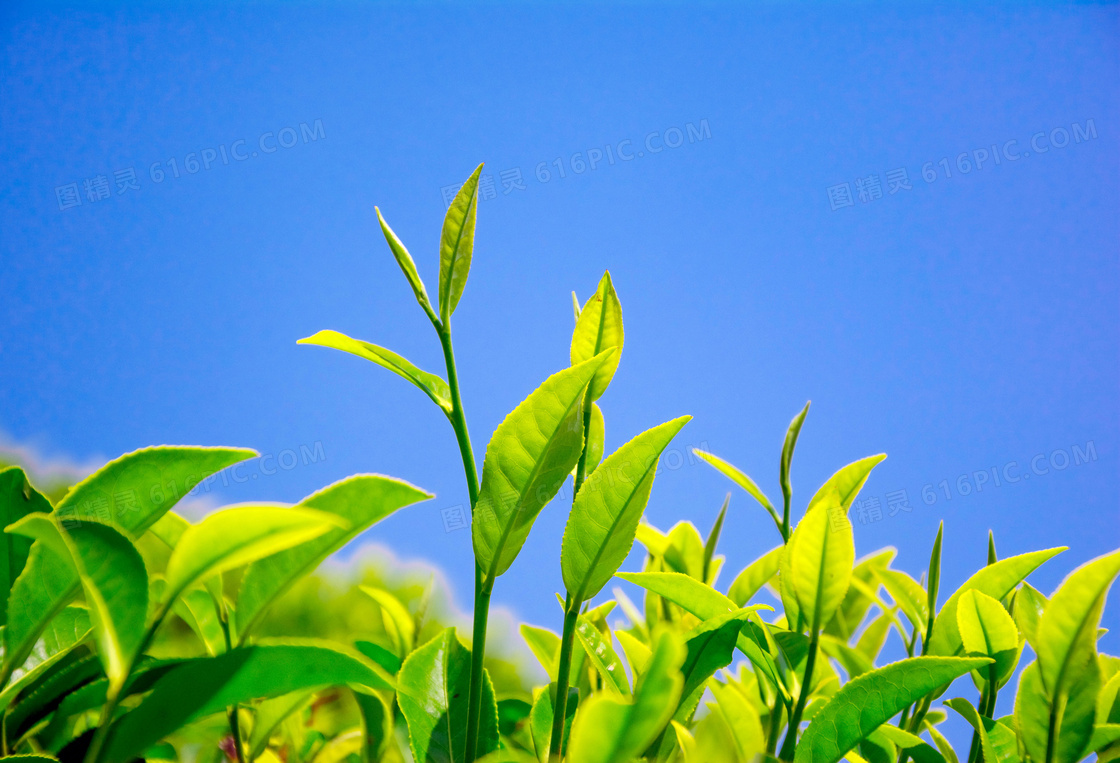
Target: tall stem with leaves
[(598, 329)]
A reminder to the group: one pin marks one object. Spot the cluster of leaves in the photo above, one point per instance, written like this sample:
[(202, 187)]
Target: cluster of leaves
[(86, 599)]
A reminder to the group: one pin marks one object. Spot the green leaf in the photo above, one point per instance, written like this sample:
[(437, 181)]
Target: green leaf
[(545, 646), (377, 726), (456, 245), (530, 455), (1029, 606), (58, 641), (788, 445), (408, 267), (202, 687), (843, 487), (17, 500), (541, 715), (270, 714), (114, 581), (1068, 669), (1072, 716), (818, 564), (133, 491), (705, 603), (596, 440), (996, 580), (742, 719), (598, 329), (743, 481), (637, 652), (1069, 623), (609, 729), (710, 646), (988, 631), (866, 702), (934, 579), (918, 749), (360, 501), (713, 541), (605, 515), (754, 576), (907, 594), (603, 657), (236, 536), (435, 681), (874, 636), (431, 385), (196, 607), (997, 742)]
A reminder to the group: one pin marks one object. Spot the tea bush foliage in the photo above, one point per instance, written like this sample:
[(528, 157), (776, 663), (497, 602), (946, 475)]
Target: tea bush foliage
[(130, 632)]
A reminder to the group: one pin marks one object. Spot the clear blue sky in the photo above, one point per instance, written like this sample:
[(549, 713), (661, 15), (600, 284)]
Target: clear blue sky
[(958, 325)]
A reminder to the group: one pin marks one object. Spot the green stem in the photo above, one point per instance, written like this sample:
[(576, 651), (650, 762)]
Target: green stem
[(482, 589), (232, 713), (93, 755), (974, 748), (560, 704), (790, 743), (775, 724)]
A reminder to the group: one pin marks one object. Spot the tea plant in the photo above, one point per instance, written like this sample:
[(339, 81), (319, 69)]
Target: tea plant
[(95, 579)]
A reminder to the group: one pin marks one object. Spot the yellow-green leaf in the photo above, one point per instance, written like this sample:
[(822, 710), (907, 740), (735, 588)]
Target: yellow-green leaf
[(404, 260), (754, 576), (598, 329), (605, 515), (988, 631), (236, 536), (430, 384), (530, 455), (818, 564), (866, 702), (456, 245), (843, 486)]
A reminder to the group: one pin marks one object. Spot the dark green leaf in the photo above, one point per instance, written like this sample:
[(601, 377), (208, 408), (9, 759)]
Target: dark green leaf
[(17, 500), (202, 687), (435, 683)]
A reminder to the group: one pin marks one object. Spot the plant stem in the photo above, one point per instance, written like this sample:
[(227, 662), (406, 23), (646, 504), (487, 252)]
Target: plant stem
[(231, 712), (560, 704), (482, 589), (93, 754), (790, 743), (775, 724)]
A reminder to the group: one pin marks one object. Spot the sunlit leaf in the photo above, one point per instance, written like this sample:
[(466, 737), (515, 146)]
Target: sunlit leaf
[(430, 384), (842, 487), (598, 329), (529, 456), (818, 564), (407, 266), (239, 535), (604, 517), (17, 499), (866, 702), (988, 631), (754, 576), (742, 480), (359, 501), (113, 578), (133, 492), (456, 245), (996, 580)]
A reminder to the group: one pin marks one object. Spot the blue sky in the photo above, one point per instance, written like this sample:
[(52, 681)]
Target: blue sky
[(965, 323)]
